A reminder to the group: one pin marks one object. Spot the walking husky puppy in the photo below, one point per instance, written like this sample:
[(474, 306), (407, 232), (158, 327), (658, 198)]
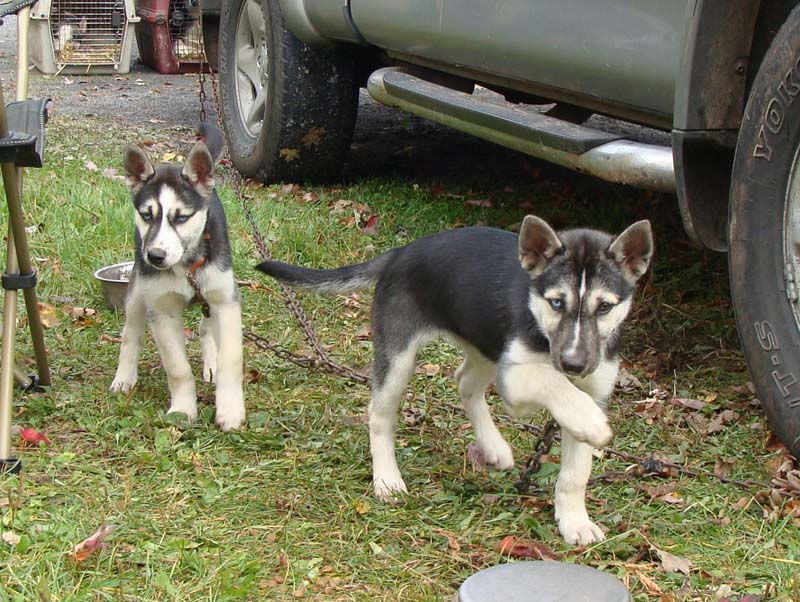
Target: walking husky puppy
[(182, 253), (541, 313)]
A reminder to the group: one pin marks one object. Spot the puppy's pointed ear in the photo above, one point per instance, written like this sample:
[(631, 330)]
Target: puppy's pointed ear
[(538, 243), (633, 249), (137, 166), (212, 137), (199, 169)]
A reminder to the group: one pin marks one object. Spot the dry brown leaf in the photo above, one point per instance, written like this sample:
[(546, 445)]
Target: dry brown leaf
[(48, 315), (672, 563), (519, 547), (692, 404), (659, 490), (723, 466), (428, 369), (94, 543), (650, 585)]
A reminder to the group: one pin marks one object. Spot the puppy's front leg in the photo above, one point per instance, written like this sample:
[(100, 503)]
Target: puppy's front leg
[(208, 347), (168, 333), (227, 323), (576, 467), (132, 338), (526, 387)]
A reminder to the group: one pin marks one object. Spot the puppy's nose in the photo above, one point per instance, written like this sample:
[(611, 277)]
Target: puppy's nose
[(156, 256), (573, 364)]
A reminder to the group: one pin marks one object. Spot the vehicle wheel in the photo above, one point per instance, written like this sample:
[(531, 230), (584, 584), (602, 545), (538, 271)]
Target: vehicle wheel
[(288, 110), (764, 233)]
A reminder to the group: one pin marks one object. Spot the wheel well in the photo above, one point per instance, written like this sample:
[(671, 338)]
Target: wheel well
[(725, 44)]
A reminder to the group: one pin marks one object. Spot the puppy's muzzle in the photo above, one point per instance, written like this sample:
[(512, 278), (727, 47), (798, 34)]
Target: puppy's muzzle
[(156, 257)]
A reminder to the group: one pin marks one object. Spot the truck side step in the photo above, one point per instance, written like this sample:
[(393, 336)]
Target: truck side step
[(583, 149)]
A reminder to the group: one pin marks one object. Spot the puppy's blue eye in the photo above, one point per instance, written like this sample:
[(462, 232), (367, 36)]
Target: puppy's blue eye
[(604, 308), (182, 219), (556, 304), (146, 216)]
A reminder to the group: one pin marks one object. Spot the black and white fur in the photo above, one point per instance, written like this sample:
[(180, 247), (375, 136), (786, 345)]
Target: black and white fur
[(541, 313), (180, 220)]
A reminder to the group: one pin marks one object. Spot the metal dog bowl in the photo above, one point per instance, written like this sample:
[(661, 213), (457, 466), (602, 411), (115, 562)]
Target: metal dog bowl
[(541, 581), (114, 282)]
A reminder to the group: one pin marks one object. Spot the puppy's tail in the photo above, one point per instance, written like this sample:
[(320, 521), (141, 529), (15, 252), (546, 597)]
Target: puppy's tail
[(329, 282)]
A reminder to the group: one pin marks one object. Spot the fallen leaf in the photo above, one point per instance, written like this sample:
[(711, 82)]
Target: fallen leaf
[(371, 227), (289, 154), (310, 197), (90, 165), (428, 369), (168, 157), (11, 538), (659, 490), (670, 498), (290, 189), (627, 381), (48, 315), (94, 543), (692, 404), (650, 585), (519, 547), (673, 564), (723, 466), (340, 205), (412, 416), (33, 436), (452, 540), (362, 506)]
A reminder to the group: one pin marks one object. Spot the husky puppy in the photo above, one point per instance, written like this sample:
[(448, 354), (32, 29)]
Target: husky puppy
[(541, 313), (182, 254)]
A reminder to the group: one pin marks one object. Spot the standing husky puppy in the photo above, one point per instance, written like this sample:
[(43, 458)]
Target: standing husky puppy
[(182, 252), (541, 314)]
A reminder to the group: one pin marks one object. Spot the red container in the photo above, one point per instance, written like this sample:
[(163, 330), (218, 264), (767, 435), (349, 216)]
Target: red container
[(169, 35)]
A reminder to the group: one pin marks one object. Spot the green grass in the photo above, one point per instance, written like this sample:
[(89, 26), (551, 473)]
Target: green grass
[(283, 509)]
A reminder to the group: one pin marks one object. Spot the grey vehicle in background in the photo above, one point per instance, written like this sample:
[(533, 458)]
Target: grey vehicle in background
[(722, 77)]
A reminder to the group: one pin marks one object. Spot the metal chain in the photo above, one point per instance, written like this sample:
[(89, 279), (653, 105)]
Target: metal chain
[(201, 77), (534, 464)]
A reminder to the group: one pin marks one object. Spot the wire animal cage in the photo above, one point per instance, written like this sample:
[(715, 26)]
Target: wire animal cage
[(170, 35), (82, 36)]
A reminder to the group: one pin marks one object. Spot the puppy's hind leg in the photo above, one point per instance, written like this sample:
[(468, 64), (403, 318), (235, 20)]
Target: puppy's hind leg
[(132, 338), (391, 373), (473, 376)]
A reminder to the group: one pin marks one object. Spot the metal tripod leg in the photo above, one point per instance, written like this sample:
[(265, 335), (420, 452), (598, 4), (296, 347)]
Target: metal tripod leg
[(18, 261)]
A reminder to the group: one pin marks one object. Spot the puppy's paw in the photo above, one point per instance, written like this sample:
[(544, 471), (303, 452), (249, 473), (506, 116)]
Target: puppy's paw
[(123, 383), (579, 530), (389, 488), (497, 454), (184, 407), (230, 418), (591, 427)]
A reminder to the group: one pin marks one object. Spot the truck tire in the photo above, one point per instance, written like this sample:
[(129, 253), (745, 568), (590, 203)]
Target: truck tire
[(764, 233), (288, 110)]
